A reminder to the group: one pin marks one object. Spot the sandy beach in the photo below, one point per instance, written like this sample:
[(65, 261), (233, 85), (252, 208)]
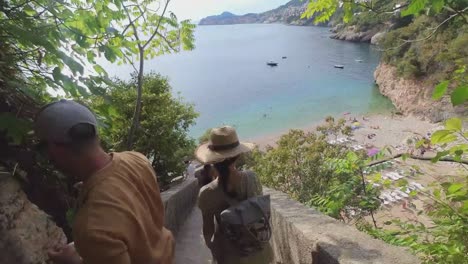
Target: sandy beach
[(388, 131), (395, 132)]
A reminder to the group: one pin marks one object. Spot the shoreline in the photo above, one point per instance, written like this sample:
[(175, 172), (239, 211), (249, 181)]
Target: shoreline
[(389, 130)]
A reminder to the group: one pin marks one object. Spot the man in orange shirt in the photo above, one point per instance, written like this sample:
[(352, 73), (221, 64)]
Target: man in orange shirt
[(121, 216)]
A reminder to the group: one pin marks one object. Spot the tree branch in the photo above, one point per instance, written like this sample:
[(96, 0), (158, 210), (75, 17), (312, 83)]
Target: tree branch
[(167, 42), (131, 61), (159, 24), (434, 30), (377, 10), (132, 24), (129, 24)]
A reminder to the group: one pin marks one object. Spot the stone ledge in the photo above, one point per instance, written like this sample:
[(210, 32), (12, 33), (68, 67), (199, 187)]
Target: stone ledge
[(178, 202), (304, 235), (26, 231)]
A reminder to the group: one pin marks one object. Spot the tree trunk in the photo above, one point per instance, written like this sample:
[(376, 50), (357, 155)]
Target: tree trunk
[(137, 113)]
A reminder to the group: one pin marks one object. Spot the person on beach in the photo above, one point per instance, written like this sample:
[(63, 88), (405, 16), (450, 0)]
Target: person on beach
[(223, 150), (120, 213)]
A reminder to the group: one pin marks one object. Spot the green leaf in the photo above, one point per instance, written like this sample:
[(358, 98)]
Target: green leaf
[(402, 183), (420, 143), (443, 136), (440, 155), (71, 63), (459, 95), (440, 90), (387, 183), (405, 156), (16, 129), (437, 5), (414, 8), (99, 69), (57, 74), (454, 124), (465, 207), (454, 188), (348, 11)]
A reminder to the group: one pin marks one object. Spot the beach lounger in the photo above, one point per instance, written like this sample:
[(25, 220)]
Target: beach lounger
[(396, 196), (417, 185), (396, 175), (342, 140), (389, 175), (401, 193), (389, 197), (412, 188), (357, 147), (384, 199)]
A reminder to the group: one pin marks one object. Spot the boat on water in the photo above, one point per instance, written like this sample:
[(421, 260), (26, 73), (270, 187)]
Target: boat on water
[(284, 57), (358, 60), (339, 66), (272, 63)]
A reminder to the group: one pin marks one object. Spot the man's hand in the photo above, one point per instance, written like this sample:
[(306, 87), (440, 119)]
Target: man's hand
[(65, 254)]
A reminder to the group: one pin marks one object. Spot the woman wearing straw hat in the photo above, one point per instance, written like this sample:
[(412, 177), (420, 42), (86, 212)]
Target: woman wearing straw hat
[(223, 150)]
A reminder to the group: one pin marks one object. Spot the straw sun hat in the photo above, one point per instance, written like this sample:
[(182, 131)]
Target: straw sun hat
[(223, 144)]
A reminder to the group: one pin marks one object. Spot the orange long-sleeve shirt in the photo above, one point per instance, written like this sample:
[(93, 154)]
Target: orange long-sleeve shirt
[(121, 217)]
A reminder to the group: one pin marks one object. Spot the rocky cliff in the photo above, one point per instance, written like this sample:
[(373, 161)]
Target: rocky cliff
[(413, 96), (26, 232), (289, 13), (352, 33)]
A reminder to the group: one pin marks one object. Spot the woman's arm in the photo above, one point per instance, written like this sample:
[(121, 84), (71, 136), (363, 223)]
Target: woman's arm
[(205, 205), (208, 228)]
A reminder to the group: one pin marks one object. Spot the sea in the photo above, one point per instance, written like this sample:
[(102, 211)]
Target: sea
[(228, 80)]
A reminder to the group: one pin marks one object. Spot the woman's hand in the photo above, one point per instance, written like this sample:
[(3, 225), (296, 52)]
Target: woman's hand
[(64, 254)]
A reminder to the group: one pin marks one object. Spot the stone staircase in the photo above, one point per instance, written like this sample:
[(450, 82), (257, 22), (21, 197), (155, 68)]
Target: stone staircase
[(301, 235)]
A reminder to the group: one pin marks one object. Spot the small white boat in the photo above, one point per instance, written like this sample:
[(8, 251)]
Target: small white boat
[(339, 66)]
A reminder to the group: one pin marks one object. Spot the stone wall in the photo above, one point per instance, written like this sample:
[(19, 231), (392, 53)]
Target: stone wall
[(302, 235), (178, 203), (26, 233)]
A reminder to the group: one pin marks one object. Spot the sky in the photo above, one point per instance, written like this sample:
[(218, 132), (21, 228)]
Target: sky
[(198, 9)]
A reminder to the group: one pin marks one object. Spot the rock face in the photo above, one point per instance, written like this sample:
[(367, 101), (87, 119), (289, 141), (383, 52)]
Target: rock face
[(26, 232), (289, 13), (352, 34), (377, 38), (413, 97)]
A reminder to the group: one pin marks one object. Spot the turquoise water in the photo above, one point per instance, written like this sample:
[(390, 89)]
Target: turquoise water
[(227, 78)]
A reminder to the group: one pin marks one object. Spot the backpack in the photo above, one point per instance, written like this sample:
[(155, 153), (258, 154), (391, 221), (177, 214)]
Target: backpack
[(246, 224)]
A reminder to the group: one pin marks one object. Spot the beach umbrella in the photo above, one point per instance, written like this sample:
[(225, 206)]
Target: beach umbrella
[(372, 152)]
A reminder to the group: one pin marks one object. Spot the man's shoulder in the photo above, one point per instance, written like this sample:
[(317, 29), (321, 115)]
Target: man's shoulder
[(133, 155)]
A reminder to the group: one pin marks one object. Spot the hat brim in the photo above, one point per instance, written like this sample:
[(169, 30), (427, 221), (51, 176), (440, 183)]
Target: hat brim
[(207, 156)]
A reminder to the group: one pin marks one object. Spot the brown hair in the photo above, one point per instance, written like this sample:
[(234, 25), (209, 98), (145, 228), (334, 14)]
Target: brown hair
[(224, 173)]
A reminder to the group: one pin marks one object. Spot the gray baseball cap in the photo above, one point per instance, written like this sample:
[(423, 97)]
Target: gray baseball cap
[(54, 121)]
